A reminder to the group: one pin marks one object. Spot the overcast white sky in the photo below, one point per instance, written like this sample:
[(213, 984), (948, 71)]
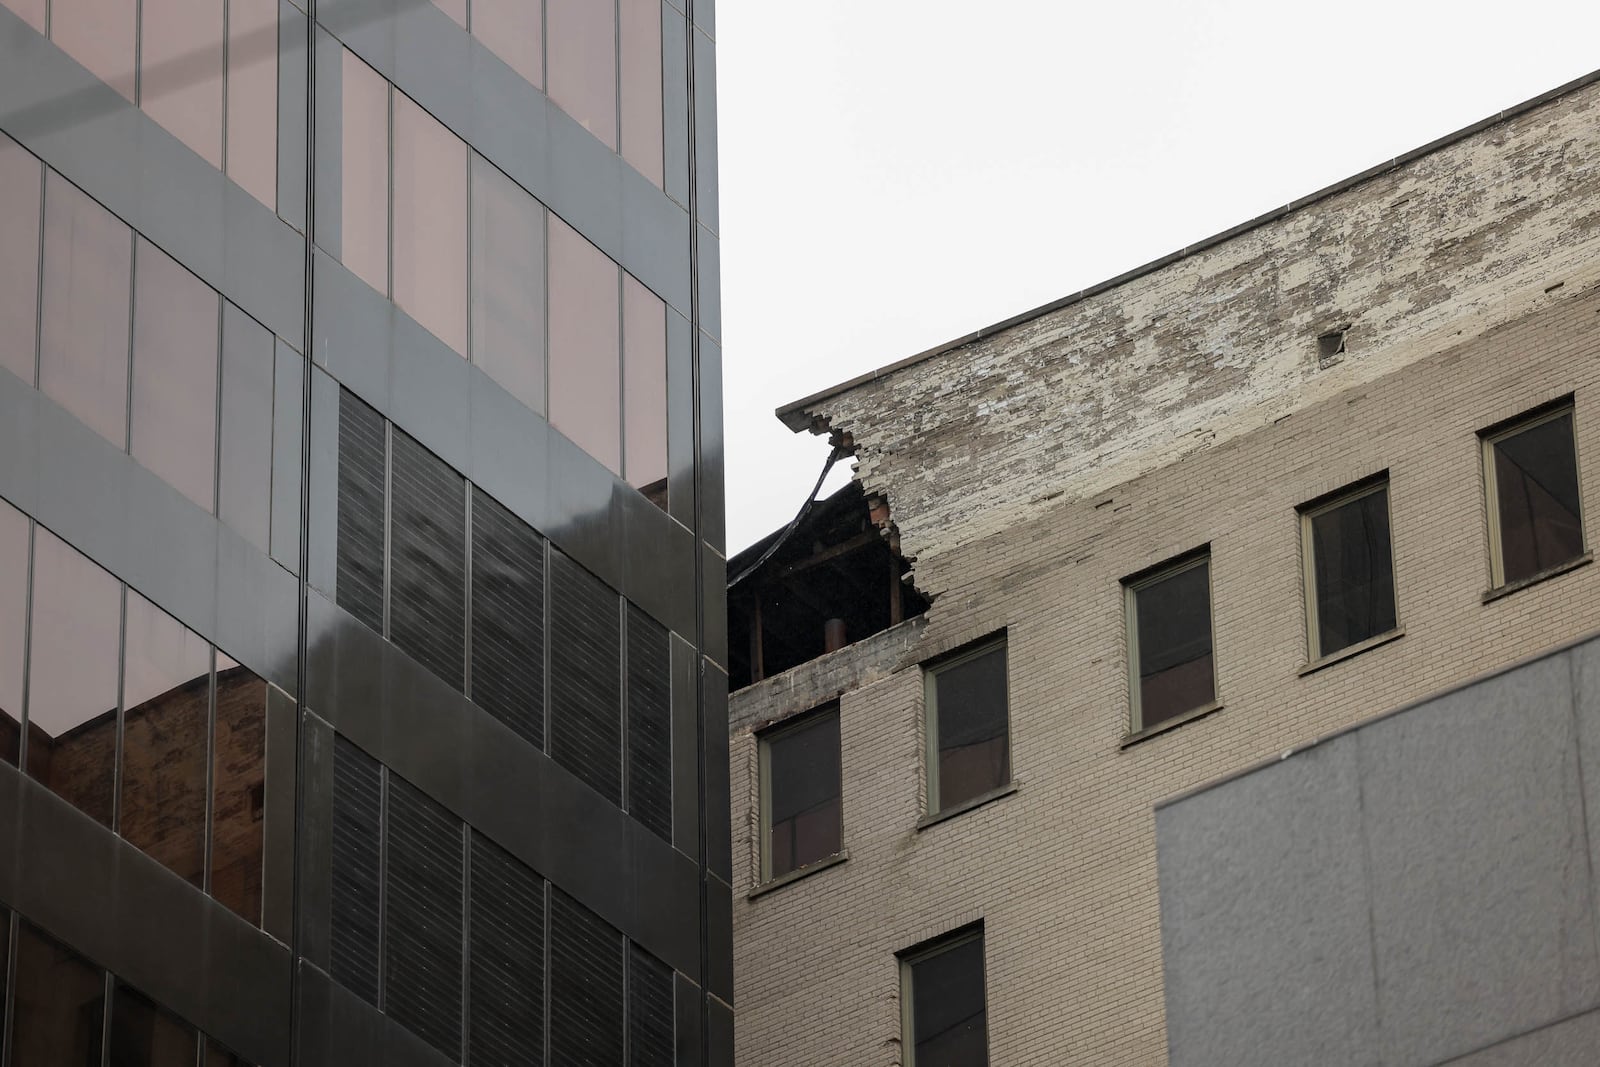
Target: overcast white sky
[(896, 174)]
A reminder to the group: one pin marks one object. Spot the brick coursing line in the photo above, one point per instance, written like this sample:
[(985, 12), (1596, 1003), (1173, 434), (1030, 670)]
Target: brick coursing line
[(1185, 409)]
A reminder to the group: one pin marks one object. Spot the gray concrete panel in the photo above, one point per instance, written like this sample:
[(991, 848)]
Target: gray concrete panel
[(1572, 1042), (1264, 919), (1481, 894), (1584, 663)]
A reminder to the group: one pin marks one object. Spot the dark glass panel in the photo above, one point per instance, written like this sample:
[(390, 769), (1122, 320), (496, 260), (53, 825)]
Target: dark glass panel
[(174, 431), (582, 59), (430, 223), (428, 560), (585, 372), (803, 794), (650, 1010), (72, 680), (640, 40), (144, 1035), (649, 724), (585, 687), (13, 627), (1354, 572), (422, 928), (357, 821), (180, 71), (244, 486), (949, 1017), (1536, 486), (88, 271), (364, 173), (218, 1056), (644, 381), (32, 11), (1176, 671), (586, 995), (166, 696), (508, 283), (59, 1007), (21, 179), (514, 31), (239, 789), (100, 34), (363, 461), (506, 998), (507, 618), (974, 751), (253, 97)]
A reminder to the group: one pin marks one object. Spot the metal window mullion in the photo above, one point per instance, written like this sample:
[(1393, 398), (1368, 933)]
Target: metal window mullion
[(27, 646), (622, 705), (1308, 573), (1130, 600), (388, 522), (108, 985), (8, 966), (930, 731), (764, 804), (466, 595), (122, 672), (209, 831)]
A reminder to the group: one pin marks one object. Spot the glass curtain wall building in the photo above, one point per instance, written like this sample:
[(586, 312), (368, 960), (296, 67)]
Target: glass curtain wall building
[(362, 641)]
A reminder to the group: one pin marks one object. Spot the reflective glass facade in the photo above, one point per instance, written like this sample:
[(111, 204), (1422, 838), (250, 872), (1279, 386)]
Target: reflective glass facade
[(362, 642)]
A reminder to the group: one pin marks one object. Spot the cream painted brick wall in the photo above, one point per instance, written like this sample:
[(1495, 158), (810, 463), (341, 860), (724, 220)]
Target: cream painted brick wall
[(1063, 872)]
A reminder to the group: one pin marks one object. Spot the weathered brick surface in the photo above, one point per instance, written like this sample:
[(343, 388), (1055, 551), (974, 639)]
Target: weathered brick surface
[(1229, 426)]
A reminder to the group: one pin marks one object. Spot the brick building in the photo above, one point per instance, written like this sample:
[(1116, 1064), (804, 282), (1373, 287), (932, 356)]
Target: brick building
[(1320, 466)]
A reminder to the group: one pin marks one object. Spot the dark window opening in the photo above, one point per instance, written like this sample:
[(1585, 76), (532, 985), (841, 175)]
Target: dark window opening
[(1169, 618), (1535, 510), (945, 1014), (969, 750), (1350, 570), (800, 793), (1331, 345)]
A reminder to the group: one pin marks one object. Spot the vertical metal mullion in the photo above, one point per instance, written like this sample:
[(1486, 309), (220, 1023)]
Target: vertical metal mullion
[(122, 671), (211, 777), (625, 761), (227, 77), (133, 299), (27, 648), (216, 442), (9, 966), (388, 520), (466, 598), (108, 985), (38, 288), (549, 640), (622, 375)]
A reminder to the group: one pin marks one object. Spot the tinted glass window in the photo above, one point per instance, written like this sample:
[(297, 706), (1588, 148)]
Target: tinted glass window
[(88, 271), (174, 430), (508, 283), (585, 371), (1536, 492), (973, 754), (803, 791), (253, 97), (72, 681), (430, 223), (13, 625), (583, 63), (99, 34), (513, 30), (59, 1007), (166, 697), (21, 178), (949, 1018), (456, 9), (645, 390), (1176, 671), (244, 489), (32, 11), (1354, 572), (180, 71), (143, 1035), (364, 173), (640, 39), (239, 789)]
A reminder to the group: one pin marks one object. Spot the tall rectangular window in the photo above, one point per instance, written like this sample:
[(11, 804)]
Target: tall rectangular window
[(180, 71), (508, 260), (1170, 663), (514, 31), (585, 363), (969, 748), (100, 34), (21, 179), (252, 146), (800, 794), (639, 38), (238, 789), (364, 173), (583, 63), (58, 1014), (943, 1010), (644, 385), (1535, 505), (1349, 568), (430, 223)]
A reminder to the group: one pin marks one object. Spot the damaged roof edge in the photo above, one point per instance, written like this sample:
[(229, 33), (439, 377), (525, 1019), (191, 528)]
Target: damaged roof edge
[(798, 415)]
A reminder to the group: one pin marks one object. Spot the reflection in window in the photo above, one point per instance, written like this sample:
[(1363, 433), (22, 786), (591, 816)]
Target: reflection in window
[(364, 173), (969, 750), (14, 533), (1535, 509), (180, 71), (166, 693), (945, 1013), (583, 63), (88, 269), (511, 29), (72, 680), (585, 391), (644, 332), (143, 1035), (1350, 570), (239, 793), (640, 41), (430, 223), (59, 1007), (800, 794), (174, 429), (1169, 620), (21, 176), (252, 143), (100, 34), (508, 283)]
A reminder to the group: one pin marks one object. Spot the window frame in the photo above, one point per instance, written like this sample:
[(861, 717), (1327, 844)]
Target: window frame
[(909, 958), (930, 724), (1315, 509), (1131, 588), (793, 725), (1489, 439)]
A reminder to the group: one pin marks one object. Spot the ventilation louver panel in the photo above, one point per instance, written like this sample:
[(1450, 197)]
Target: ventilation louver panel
[(586, 1001), (507, 618), (357, 804), (649, 724), (650, 1014), (358, 559), (428, 560), (422, 925), (506, 998), (585, 683)]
